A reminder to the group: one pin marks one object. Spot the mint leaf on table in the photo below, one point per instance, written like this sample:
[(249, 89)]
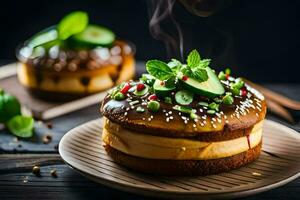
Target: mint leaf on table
[(21, 126), (193, 59), (159, 69), (71, 24), (9, 107)]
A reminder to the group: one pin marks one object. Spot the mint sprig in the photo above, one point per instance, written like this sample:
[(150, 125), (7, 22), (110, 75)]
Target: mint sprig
[(196, 68), (159, 70), (193, 59)]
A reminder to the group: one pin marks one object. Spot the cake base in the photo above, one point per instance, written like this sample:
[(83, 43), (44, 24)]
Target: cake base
[(184, 167)]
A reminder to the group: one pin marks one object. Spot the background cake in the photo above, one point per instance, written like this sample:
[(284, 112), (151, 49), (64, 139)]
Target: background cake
[(63, 62)]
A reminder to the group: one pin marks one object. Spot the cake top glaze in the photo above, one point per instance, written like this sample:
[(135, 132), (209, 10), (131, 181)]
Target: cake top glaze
[(186, 100)]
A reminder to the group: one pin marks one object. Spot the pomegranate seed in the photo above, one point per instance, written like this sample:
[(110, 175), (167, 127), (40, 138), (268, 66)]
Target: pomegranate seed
[(152, 97), (227, 76), (125, 88), (244, 92), (162, 83), (184, 78), (140, 87)]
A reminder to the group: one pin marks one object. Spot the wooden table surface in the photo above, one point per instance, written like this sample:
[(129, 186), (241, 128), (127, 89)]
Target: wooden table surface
[(18, 157)]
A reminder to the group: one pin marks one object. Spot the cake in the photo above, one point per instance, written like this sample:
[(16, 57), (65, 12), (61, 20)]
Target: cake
[(183, 119), (74, 59)]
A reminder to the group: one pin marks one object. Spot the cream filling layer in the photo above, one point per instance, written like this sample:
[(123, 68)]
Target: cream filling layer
[(155, 147)]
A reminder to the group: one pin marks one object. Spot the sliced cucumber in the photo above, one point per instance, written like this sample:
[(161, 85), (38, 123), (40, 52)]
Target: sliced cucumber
[(93, 36), (44, 37), (210, 88), (184, 97), (161, 89)]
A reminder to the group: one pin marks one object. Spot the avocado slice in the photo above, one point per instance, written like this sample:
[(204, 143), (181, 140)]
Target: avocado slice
[(210, 88), (160, 89)]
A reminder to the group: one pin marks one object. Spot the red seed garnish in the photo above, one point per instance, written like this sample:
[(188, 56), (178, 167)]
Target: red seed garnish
[(184, 78), (125, 88), (152, 97), (227, 76), (244, 92), (140, 87), (162, 83)]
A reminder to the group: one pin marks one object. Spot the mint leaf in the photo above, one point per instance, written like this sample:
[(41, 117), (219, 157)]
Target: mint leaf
[(21, 126), (9, 107), (159, 69), (193, 59), (71, 24), (175, 65), (200, 74), (204, 63)]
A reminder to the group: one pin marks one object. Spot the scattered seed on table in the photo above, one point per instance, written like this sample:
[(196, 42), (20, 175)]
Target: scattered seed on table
[(36, 170), (53, 173), (47, 138)]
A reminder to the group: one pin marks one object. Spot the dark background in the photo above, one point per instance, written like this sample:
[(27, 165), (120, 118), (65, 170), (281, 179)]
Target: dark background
[(258, 39)]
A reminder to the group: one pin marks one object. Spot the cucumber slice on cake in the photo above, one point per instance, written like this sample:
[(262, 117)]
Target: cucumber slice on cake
[(160, 88), (209, 88), (93, 36), (44, 37)]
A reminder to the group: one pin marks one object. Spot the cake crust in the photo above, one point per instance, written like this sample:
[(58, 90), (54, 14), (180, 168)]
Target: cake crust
[(184, 167)]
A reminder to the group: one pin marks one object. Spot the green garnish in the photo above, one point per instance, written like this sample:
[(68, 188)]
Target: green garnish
[(119, 96), (228, 99), (168, 100), (175, 65), (194, 116), (195, 67), (147, 79), (71, 24), (21, 126), (10, 116), (211, 112), (183, 109), (213, 106), (159, 69), (142, 92), (228, 71), (9, 107), (235, 87), (193, 59), (47, 36), (235, 91), (222, 76), (202, 103), (153, 106), (184, 97), (217, 100), (140, 109)]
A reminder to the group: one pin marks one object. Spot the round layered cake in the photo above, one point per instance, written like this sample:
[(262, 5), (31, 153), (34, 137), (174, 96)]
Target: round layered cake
[(182, 124), (57, 67)]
